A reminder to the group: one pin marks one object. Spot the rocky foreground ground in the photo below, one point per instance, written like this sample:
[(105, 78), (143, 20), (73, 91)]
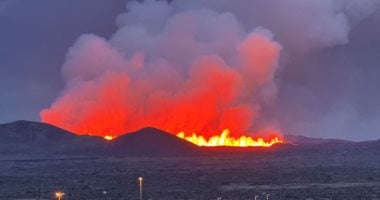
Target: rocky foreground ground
[(302, 175)]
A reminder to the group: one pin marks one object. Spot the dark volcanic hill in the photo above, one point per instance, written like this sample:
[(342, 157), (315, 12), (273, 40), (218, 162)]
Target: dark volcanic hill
[(152, 142), (33, 132), (34, 138)]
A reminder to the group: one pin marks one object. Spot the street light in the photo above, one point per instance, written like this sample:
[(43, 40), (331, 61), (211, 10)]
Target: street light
[(59, 195), (105, 194), (140, 179), (256, 196), (268, 196)]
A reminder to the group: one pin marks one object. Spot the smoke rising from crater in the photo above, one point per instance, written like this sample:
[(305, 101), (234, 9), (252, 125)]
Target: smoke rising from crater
[(205, 65), (194, 70)]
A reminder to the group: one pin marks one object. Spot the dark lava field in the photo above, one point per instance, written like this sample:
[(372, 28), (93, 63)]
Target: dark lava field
[(295, 175)]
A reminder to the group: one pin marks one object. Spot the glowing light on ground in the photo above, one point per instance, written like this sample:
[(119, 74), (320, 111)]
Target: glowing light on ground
[(108, 137), (59, 195), (225, 140)]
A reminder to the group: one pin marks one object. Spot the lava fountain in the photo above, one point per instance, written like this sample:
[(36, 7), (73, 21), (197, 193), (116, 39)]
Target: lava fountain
[(224, 139)]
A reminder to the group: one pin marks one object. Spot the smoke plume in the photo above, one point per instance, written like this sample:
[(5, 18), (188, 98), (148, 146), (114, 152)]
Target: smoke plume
[(202, 66), (194, 70)]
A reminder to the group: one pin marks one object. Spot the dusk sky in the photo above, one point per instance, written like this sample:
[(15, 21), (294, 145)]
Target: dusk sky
[(321, 76)]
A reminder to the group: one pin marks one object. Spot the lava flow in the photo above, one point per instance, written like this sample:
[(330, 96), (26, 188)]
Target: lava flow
[(225, 140), (108, 137)]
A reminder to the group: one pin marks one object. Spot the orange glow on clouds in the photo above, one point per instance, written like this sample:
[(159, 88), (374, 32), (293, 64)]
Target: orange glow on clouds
[(199, 79)]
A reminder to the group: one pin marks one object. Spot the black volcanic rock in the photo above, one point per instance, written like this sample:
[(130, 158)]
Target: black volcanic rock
[(152, 142)]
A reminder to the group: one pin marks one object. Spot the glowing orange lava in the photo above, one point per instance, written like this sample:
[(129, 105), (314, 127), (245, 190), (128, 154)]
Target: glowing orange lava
[(225, 140), (108, 137)]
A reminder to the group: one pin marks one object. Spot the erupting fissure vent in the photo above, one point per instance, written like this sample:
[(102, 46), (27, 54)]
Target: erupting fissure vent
[(225, 140)]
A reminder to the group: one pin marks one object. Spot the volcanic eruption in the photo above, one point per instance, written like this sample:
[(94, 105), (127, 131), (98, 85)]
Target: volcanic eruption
[(196, 73)]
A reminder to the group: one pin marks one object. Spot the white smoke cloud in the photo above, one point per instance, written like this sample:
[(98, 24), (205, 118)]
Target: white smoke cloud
[(299, 25)]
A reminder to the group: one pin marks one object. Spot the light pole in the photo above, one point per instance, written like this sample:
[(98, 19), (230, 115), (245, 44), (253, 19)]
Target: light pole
[(59, 195), (104, 194), (256, 197), (140, 179), (268, 196)]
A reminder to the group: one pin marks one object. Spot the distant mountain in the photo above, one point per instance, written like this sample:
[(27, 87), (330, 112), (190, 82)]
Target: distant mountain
[(27, 131), (36, 140), (303, 145), (26, 138), (152, 142), (302, 140), (369, 145)]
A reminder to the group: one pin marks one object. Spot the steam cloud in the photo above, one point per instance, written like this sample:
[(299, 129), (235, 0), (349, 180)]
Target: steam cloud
[(195, 66)]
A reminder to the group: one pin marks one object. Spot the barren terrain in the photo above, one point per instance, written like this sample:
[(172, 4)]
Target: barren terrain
[(292, 175)]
